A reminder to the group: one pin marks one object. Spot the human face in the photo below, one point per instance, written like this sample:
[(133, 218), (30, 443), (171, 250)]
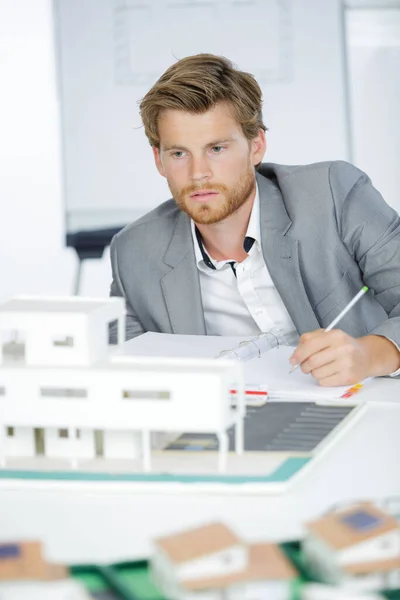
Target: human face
[(207, 161)]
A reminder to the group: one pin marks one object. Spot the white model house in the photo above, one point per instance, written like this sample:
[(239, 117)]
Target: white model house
[(358, 547), (25, 573), (58, 331), (50, 332), (212, 563), (58, 406)]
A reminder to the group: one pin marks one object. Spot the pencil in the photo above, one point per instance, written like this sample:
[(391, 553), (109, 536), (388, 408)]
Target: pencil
[(340, 316)]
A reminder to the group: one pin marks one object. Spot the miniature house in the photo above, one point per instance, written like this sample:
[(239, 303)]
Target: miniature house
[(358, 546), (58, 331), (53, 332), (24, 561), (66, 396), (135, 396), (212, 563)]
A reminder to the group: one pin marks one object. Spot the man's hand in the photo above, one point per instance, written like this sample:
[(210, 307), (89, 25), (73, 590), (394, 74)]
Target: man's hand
[(336, 358)]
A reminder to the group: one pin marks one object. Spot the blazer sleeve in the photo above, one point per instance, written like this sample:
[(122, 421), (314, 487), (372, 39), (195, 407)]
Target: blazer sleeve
[(133, 325), (370, 229)]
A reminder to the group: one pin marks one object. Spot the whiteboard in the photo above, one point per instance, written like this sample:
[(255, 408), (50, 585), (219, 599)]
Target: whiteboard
[(110, 52), (373, 42)]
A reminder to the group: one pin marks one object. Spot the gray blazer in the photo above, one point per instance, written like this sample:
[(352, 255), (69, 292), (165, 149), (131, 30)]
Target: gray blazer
[(325, 230)]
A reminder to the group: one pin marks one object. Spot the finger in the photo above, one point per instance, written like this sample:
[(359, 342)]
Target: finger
[(338, 366), (315, 341), (328, 370), (341, 378), (320, 359), (310, 343)]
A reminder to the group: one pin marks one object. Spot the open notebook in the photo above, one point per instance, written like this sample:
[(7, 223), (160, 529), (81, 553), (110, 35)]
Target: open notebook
[(264, 363)]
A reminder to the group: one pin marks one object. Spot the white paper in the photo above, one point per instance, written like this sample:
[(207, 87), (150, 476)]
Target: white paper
[(271, 369)]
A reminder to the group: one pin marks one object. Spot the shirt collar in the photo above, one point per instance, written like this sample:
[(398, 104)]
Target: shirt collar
[(253, 231), (253, 228)]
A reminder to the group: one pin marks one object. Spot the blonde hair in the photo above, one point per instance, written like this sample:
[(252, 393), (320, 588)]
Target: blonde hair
[(196, 84)]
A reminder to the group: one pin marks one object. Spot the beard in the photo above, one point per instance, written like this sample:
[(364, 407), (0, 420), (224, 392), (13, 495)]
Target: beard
[(229, 201)]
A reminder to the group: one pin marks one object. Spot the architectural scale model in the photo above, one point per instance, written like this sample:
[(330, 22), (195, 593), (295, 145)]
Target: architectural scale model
[(212, 563), (60, 387), (71, 404), (357, 547)]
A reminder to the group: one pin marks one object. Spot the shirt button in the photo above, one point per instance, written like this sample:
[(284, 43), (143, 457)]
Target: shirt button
[(259, 311)]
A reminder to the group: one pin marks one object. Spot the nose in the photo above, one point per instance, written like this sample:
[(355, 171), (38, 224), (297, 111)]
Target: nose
[(200, 169)]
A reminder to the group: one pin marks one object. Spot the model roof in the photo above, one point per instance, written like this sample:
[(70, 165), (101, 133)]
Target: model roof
[(24, 560), (352, 526), (267, 562), (198, 542)]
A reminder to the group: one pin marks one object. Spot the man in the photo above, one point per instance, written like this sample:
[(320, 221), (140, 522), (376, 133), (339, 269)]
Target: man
[(245, 247)]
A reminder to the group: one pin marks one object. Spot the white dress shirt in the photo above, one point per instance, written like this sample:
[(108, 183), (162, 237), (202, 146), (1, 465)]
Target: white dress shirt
[(245, 304)]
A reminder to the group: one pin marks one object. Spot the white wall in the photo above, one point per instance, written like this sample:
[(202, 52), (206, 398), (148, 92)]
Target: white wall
[(32, 254), (374, 74)]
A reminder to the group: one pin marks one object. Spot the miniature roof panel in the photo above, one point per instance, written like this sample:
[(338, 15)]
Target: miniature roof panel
[(199, 542), (361, 520), (344, 528), (52, 305), (8, 551), (267, 562)]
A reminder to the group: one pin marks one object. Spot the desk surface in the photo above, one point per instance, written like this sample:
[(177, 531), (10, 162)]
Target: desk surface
[(82, 522)]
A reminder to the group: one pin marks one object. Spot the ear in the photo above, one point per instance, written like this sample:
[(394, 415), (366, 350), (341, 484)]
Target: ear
[(157, 160), (258, 147)]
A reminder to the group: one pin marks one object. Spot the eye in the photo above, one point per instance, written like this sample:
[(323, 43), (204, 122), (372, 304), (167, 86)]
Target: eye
[(217, 149), (178, 154)]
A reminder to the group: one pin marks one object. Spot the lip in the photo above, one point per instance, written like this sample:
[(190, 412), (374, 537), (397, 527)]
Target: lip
[(202, 195)]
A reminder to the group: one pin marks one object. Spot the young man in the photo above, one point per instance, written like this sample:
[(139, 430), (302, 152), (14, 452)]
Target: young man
[(245, 247)]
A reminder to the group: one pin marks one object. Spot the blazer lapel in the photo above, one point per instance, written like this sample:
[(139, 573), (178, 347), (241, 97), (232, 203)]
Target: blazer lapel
[(281, 254), (181, 285)]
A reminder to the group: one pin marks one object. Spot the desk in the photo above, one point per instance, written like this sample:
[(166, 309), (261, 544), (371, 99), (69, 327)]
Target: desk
[(87, 522)]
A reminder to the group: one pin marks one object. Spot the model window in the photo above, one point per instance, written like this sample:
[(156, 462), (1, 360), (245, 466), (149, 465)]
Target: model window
[(9, 551), (112, 332), (64, 433), (63, 392), (146, 395), (227, 559), (12, 346), (63, 341), (10, 431), (2, 391)]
